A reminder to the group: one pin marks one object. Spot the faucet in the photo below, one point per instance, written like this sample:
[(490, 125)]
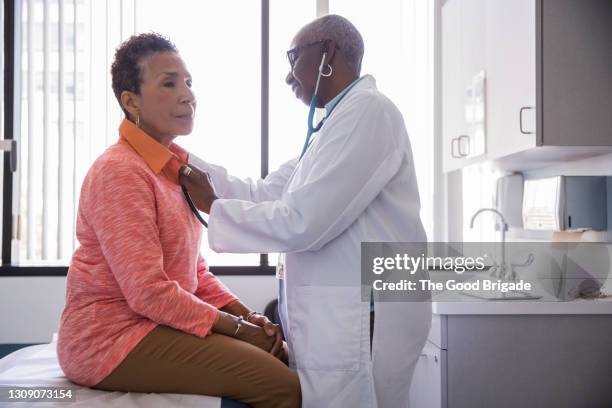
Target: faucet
[(502, 268)]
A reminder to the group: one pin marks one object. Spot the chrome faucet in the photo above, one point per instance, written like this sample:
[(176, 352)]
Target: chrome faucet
[(501, 273)]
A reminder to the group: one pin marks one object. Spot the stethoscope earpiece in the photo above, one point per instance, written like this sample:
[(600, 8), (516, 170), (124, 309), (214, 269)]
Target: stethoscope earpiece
[(320, 74)]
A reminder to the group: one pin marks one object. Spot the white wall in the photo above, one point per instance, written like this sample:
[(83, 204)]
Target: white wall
[(30, 307)]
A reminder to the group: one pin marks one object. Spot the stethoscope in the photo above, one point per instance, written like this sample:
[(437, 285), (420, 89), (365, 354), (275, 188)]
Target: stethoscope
[(194, 210), (311, 130), (313, 105)]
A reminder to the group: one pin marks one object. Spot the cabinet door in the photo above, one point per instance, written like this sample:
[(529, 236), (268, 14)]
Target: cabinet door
[(453, 124), (577, 73), (511, 76), (473, 66), (428, 388), (463, 58)]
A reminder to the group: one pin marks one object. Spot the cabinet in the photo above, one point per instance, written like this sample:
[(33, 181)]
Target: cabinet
[(511, 76), (509, 360), (452, 122), (463, 35), (428, 387), (547, 64)]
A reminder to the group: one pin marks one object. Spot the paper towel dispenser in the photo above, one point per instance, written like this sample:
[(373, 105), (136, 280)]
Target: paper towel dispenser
[(565, 203)]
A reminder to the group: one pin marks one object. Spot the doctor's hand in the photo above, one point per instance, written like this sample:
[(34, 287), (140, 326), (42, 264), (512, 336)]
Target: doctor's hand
[(271, 329), (199, 186)]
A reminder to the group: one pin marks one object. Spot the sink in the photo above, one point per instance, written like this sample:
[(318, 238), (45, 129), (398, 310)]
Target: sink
[(496, 295)]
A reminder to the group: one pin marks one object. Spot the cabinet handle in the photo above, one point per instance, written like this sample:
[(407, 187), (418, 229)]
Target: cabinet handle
[(454, 143), (427, 355), (523, 109), (461, 154)]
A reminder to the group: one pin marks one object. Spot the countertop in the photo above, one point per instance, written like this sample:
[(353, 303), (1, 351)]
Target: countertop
[(454, 303), (523, 307)]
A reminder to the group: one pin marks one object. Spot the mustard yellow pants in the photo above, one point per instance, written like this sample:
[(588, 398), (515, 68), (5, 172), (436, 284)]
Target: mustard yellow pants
[(171, 361)]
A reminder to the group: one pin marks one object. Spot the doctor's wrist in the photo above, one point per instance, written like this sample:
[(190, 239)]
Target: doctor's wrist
[(209, 203)]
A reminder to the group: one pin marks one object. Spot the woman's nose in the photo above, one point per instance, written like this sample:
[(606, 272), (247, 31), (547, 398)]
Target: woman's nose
[(188, 96)]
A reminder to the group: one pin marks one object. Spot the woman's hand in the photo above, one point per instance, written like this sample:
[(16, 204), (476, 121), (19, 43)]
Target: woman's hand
[(256, 336), (199, 186), (283, 353), (227, 323), (271, 329)]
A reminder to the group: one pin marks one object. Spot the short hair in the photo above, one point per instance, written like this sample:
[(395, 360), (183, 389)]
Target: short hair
[(126, 70), (343, 32)]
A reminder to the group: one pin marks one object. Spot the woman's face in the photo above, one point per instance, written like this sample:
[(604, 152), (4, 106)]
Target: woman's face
[(166, 104)]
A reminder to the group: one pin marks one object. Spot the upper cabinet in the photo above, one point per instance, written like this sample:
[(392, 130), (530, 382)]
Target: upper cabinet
[(463, 57), (511, 76), (525, 80)]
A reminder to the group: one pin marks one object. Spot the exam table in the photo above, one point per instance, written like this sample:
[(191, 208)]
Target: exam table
[(37, 366)]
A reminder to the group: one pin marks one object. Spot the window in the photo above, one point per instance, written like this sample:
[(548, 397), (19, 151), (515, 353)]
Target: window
[(399, 54), (68, 113), (287, 113), (2, 90), (224, 57), (68, 79)]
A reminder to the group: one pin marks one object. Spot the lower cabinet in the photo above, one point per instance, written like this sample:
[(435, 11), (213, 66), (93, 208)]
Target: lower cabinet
[(510, 361), (428, 389)]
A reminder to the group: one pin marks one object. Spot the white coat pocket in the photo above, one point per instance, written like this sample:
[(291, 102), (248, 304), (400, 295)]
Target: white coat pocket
[(326, 327)]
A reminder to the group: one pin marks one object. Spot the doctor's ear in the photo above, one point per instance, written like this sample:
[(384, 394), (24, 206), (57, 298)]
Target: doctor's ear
[(330, 47)]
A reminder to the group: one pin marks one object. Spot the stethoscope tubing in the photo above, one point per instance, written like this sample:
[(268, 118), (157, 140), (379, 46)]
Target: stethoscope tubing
[(193, 207), (313, 104)]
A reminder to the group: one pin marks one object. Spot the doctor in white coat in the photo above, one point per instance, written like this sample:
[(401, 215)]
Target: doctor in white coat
[(353, 183)]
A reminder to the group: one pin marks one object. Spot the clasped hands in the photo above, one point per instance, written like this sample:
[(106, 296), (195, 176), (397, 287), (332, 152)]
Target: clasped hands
[(274, 342), (258, 331)]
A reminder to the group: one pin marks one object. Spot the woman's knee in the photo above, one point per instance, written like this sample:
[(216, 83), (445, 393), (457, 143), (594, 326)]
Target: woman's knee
[(289, 393)]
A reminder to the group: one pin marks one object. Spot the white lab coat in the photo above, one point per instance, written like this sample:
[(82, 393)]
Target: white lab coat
[(355, 183)]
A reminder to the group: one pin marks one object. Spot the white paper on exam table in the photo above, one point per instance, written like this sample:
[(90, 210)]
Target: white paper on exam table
[(36, 366)]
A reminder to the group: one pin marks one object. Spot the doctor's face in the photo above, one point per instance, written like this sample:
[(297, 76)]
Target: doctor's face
[(304, 59)]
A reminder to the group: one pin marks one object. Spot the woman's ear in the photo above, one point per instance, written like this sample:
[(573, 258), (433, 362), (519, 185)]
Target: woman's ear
[(131, 103)]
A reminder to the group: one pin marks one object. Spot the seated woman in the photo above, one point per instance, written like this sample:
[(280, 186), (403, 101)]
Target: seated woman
[(143, 312)]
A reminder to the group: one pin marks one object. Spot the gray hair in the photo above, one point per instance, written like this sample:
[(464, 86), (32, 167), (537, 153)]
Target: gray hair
[(343, 32)]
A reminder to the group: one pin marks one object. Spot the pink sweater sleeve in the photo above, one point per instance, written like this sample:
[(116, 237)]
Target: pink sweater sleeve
[(210, 289), (124, 218)]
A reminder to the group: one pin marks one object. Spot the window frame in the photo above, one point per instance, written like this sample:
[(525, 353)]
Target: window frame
[(12, 67)]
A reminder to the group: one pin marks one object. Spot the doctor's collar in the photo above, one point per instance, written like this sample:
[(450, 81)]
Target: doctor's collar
[(332, 104)]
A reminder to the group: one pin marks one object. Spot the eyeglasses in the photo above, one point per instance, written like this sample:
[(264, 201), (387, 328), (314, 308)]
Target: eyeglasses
[(292, 54)]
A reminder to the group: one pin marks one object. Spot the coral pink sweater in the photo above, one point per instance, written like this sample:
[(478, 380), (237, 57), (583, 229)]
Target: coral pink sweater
[(137, 266)]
